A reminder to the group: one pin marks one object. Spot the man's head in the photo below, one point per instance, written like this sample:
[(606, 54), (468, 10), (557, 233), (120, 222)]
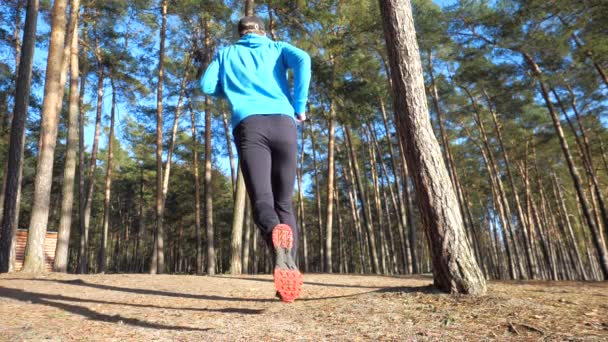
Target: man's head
[(251, 24)]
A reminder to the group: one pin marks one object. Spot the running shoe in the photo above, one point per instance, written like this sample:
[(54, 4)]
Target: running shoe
[(287, 278)]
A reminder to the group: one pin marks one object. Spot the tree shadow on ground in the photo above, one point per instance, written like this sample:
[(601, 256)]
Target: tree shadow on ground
[(376, 289), (4, 290), (44, 299), (80, 282), (333, 285)]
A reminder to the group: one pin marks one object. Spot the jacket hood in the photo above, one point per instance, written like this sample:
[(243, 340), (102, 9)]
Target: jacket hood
[(253, 40)]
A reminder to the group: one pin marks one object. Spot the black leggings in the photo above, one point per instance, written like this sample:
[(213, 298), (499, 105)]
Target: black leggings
[(267, 147)]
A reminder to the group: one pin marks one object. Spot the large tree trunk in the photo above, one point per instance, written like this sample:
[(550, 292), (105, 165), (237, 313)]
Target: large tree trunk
[(12, 179), (454, 266), (158, 258), (53, 95), (597, 237), (103, 260), (69, 173)]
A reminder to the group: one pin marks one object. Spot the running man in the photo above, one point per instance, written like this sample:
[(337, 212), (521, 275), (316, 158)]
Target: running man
[(252, 75)]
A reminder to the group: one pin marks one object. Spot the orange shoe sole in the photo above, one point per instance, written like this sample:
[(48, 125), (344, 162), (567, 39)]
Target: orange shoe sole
[(288, 280)]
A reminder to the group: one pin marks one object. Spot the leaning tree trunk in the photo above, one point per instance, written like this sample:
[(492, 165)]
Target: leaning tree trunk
[(363, 199), (14, 173), (454, 266), (597, 236), (53, 94), (158, 258), (69, 173), (405, 247)]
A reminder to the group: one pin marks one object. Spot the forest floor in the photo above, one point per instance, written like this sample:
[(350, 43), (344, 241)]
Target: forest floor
[(136, 307)]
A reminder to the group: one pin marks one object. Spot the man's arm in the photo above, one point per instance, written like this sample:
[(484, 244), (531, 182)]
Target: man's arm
[(210, 82), (299, 61)]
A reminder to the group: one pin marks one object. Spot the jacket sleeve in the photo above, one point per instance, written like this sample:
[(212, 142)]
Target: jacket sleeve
[(210, 82), (299, 61)]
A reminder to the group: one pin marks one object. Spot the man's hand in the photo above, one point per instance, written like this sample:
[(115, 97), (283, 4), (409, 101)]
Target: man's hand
[(300, 118)]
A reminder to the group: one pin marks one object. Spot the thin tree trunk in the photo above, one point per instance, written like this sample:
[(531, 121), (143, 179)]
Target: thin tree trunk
[(158, 258), (302, 222), (329, 218), (238, 215), (11, 192), (597, 238), (561, 203), (88, 200), (317, 195), (103, 261), (197, 192), (520, 214), (53, 95), (247, 239), (352, 199), (398, 213), (208, 184), (586, 156), (229, 149), (375, 197), (502, 197), (362, 198), (405, 247)]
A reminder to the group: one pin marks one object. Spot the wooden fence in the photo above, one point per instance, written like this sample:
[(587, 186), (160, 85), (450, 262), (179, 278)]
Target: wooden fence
[(50, 243)]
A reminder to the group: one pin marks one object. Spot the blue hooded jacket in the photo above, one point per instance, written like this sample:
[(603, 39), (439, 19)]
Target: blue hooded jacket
[(252, 74)]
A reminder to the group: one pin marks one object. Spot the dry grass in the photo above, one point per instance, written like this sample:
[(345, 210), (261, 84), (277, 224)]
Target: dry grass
[(333, 307)]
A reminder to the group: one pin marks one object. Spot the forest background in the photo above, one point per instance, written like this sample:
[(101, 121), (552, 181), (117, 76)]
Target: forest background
[(517, 96)]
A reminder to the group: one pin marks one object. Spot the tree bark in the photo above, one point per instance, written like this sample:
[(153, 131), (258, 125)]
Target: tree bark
[(69, 173), (329, 217), (208, 184), (158, 259), (13, 176), (454, 266), (249, 7), (236, 265), (53, 95)]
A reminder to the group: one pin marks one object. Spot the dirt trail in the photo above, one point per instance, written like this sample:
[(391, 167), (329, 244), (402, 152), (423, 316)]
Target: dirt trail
[(333, 307)]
